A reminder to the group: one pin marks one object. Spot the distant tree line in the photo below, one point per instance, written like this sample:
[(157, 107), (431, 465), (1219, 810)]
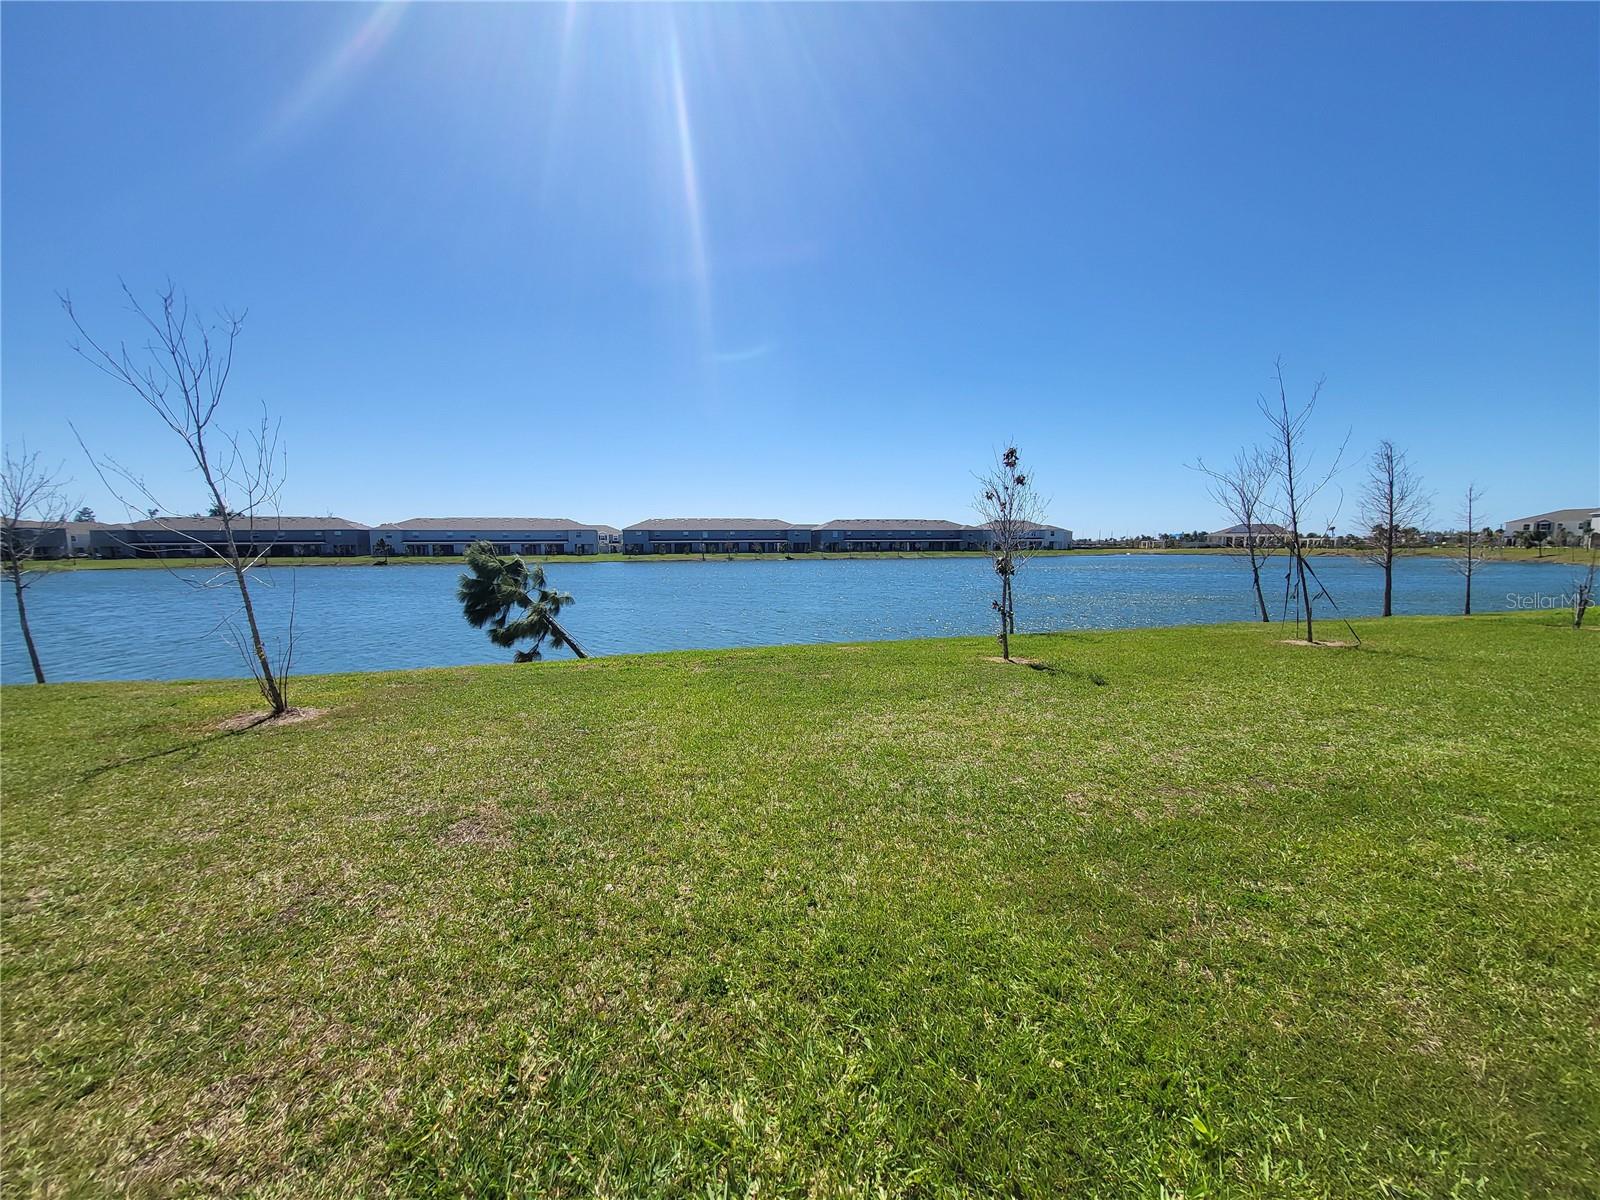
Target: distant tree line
[(1269, 489)]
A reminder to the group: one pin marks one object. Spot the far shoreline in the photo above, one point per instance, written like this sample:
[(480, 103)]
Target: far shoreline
[(1561, 556)]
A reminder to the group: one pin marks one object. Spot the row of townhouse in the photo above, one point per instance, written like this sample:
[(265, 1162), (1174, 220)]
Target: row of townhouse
[(320, 537), (534, 536), (52, 539), (317, 537), (751, 535)]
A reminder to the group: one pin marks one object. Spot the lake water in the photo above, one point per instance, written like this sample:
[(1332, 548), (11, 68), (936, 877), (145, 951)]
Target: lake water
[(151, 624)]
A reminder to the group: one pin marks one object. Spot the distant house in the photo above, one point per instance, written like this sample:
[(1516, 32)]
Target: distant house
[(1054, 537), (1044, 537), (537, 536), (880, 534), (1564, 526), (80, 537), (195, 537), (716, 535), (1235, 536), (610, 539), (35, 539), (58, 539)]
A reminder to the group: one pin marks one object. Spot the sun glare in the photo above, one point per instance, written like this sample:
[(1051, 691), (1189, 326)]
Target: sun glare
[(335, 72)]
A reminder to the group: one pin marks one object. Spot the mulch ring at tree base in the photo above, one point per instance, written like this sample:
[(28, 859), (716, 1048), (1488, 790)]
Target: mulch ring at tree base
[(260, 720)]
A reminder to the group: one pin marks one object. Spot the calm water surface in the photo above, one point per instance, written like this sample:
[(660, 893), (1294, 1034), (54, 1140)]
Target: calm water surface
[(149, 624)]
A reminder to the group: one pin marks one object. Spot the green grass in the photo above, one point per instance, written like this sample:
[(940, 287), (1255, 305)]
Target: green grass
[(1186, 912)]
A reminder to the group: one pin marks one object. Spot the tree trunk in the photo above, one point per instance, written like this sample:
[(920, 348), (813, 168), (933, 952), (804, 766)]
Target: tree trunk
[(1005, 616), (568, 639), (1388, 539), (1255, 576), (27, 633), (269, 681), (1466, 606), (1388, 582), (1305, 593)]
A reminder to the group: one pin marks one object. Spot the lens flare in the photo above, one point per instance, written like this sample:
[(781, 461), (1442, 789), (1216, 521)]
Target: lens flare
[(323, 83)]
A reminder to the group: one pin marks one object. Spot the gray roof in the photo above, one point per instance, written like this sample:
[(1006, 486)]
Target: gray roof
[(710, 523), (260, 521), (1563, 515), (892, 523), (488, 524), (73, 526), (1241, 530), (1033, 525)]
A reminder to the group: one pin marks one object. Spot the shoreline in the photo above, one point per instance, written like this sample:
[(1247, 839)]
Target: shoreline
[(1369, 622), (1565, 556)]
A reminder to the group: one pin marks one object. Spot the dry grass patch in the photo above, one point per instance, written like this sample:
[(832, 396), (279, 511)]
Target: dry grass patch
[(485, 829)]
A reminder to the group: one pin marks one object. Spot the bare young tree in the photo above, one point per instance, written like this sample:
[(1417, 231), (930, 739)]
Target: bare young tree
[(1299, 483), (1011, 510), (33, 507), (1241, 490), (182, 375), (1392, 500), (1583, 590), (1473, 544)]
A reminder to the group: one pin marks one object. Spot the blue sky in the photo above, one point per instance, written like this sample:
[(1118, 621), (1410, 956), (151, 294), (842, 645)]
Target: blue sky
[(817, 261)]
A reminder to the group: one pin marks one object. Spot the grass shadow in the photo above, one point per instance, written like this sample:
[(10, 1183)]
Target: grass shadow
[(1034, 664), (1398, 652), (192, 747)]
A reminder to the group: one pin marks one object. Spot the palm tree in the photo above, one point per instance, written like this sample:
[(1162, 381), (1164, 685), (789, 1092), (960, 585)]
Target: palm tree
[(496, 586)]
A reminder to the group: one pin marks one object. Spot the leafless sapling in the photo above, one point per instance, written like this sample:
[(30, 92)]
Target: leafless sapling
[(1299, 482), (1392, 500), (181, 373), (1011, 510), (1473, 544), (1242, 491), (33, 511), (1583, 590)]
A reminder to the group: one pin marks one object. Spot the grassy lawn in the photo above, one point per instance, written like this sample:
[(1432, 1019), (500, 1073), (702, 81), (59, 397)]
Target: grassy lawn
[(1187, 912)]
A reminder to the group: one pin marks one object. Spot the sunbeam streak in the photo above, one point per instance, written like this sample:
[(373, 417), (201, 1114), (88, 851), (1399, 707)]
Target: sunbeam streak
[(323, 82), (699, 264)]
